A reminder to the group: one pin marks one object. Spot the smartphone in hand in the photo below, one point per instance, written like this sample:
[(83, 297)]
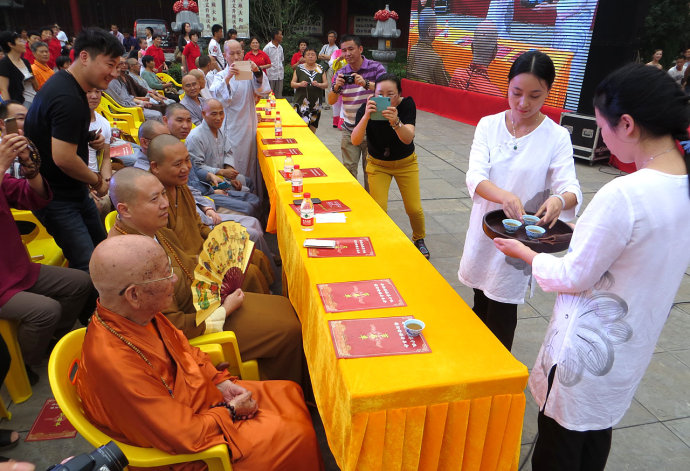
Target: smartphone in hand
[(382, 102)]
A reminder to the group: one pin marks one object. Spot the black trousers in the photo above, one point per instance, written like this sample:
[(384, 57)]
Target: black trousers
[(500, 318), (558, 448)]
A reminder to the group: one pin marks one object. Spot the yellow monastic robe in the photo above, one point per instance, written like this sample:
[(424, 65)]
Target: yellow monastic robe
[(127, 399)]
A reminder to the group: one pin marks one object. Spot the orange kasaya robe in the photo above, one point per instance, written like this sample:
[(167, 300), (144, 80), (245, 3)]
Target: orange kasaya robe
[(41, 72), (267, 327), (127, 400), (184, 220)]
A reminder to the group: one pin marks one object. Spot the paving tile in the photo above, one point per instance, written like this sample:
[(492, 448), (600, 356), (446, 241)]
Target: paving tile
[(525, 311), (524, 450), (637, 414), (542, 302), (529, 335), (664, 387), (436, 188), (529, 425), (647, 447), (681, 428), (452, 222), (683, 356), (676, 332)]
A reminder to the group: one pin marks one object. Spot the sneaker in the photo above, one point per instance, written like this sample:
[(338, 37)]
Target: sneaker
[(419, 243)]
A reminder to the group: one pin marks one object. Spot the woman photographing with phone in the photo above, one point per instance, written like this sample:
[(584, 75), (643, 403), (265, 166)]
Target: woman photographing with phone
[(390, 134), (521, 161), (617, 283)]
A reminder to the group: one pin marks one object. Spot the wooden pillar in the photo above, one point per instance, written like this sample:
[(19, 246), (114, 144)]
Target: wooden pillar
[(76, 16), (343, 19)]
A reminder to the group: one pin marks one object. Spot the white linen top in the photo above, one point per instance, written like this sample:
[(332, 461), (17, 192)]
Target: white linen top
[(541, 165), (616, 287), (275, 53), (102, 124)]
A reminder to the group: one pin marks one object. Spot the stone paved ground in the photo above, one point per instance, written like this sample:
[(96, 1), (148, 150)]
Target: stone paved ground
[(655, 433)]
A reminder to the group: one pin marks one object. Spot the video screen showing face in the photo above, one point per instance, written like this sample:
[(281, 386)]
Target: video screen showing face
[(471, 44)]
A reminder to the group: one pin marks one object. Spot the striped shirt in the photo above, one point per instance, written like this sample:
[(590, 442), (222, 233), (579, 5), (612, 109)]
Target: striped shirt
[(354, 95)]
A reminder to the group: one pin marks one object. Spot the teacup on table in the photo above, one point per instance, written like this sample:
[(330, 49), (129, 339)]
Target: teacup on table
[(414, 327)]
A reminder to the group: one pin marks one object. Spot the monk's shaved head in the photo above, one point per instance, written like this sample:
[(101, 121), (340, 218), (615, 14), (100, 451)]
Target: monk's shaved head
[(152, 128), (201, 78), (210, 103), (231, 42), (126, 183), (157, 148), (121, 261)]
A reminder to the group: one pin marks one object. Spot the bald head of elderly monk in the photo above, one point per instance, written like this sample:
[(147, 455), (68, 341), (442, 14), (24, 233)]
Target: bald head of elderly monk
[(175, 399), (213, 114), (170, 161), (140, 200)]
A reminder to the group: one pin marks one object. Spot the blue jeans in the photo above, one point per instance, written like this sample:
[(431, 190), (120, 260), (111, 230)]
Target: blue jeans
[(76, 227)]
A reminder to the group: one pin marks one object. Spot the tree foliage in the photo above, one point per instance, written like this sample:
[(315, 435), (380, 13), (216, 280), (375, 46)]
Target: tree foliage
[(264, 15), (667, 27)]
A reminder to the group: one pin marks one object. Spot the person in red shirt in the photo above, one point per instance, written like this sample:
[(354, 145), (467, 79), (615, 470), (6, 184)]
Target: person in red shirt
[(298, 57), (33, 37), (53, 45), (44, 300), (191, 52), (155, 51), (256, 55)]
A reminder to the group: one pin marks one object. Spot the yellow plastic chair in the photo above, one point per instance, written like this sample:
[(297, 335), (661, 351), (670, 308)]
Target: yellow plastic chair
[(136, 112), (17, 381), (65, 352), (167, 78), (110, 220), (125, 121), (247, 370), (41, 248)]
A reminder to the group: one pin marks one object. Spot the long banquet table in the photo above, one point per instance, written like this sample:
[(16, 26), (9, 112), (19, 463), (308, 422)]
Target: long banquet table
[(459, 407)]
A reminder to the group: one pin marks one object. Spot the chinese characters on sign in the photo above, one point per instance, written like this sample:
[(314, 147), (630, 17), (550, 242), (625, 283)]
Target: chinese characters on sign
[(210, 13), (237, 16)]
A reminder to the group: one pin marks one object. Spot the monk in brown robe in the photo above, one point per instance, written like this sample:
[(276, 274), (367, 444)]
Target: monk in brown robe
[(266, 326), (170, 162), (140, 381)]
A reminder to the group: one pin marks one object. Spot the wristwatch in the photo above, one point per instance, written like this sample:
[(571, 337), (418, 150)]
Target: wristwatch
[(397, 125)]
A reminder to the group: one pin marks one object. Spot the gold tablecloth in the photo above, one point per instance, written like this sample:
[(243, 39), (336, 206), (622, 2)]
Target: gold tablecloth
[(287, 114), (459, 407)]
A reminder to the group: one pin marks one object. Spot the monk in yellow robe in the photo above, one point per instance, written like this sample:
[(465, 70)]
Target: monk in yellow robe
[(171, 164), (140, 381), (266, 326)]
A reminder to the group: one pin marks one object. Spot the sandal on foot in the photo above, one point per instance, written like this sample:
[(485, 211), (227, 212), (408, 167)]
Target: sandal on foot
[(419, 243), (6, 439)]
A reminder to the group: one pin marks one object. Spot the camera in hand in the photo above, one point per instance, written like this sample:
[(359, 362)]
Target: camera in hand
[(106, 458), (349, 78), (533, 3)]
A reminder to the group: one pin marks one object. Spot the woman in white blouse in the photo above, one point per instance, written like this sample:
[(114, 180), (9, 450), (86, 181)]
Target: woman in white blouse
[(521, 161), (617, 282)]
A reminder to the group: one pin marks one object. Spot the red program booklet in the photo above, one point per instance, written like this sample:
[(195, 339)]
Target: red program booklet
[(345, 247), (122, 149), (327, 206), (307, 173), (280, 152), (272, 142), (360, 338), (360, 295), (267, 120)]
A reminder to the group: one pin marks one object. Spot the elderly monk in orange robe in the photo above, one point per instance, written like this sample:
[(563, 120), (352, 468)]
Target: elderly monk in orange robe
[(141, 382), (266, 326), (171, 164)]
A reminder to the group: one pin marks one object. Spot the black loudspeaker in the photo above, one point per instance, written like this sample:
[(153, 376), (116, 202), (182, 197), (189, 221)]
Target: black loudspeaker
[(615, 41), (585, 136)]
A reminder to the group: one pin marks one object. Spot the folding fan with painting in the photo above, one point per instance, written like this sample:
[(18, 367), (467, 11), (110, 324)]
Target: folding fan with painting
[(222, 264)]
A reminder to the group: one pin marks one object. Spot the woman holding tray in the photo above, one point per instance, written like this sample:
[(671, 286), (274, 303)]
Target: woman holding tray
[(520, 161), (617, 283), (391, 152)]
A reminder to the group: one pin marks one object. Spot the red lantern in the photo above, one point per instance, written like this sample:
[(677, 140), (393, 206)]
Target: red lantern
[(179, 6)]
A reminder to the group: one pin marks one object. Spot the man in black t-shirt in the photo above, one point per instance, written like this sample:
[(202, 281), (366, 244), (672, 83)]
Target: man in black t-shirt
[(58, 123)]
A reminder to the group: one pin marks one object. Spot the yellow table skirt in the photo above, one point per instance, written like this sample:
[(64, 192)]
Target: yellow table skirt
[(458, 407)]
